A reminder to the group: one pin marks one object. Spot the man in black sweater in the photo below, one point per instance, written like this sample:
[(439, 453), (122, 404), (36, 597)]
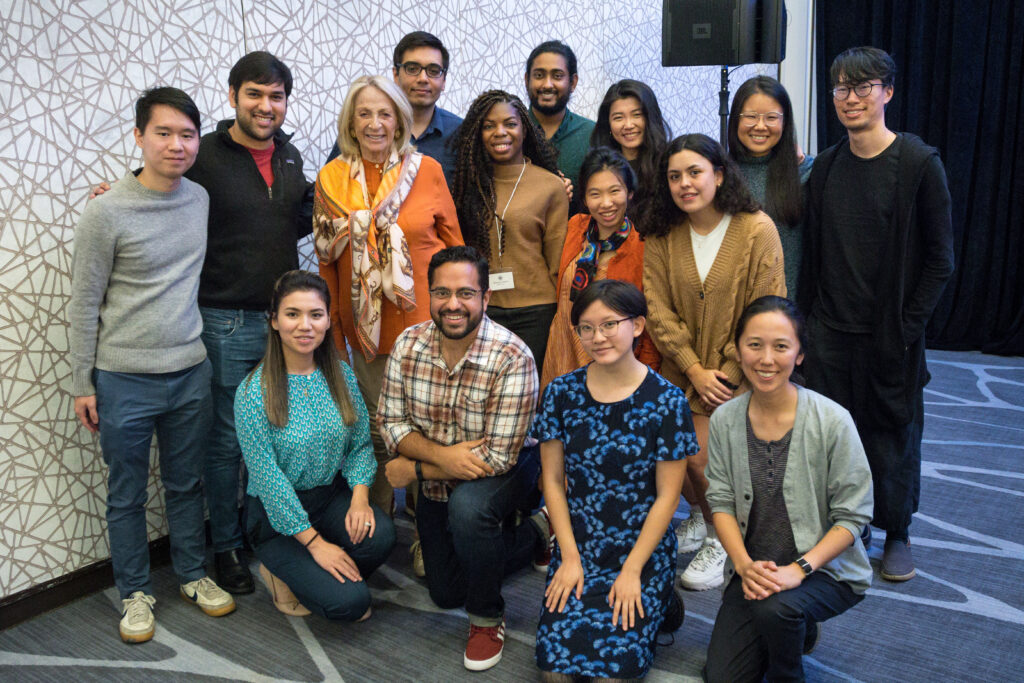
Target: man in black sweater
[(878, 249)]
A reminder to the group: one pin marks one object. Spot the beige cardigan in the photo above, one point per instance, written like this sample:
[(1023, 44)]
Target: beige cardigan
[(693, 323)]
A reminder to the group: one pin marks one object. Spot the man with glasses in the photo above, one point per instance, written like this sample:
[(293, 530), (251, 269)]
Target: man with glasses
[(456, 403), (419, 67), (878, 251)]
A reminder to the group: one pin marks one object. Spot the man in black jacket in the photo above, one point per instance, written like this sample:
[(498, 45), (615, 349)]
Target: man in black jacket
[(877, 253), (260, 206)]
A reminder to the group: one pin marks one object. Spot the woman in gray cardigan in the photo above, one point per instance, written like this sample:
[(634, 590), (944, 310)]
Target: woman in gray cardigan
[(790, 491)]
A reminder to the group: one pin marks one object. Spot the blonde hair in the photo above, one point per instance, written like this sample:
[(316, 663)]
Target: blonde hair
[(347, 142)]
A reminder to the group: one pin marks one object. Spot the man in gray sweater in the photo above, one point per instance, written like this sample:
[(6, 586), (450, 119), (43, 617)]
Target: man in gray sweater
[(138, 364)]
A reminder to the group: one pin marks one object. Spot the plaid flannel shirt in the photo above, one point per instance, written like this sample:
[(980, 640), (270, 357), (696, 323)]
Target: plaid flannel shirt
[(491, 393)]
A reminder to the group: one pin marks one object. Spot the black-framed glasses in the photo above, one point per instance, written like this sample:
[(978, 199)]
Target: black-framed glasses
[(462, 294), (842, 92), (749, 119), (414, 69), (608, 328)]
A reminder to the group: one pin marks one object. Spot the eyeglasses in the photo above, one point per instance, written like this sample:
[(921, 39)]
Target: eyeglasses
[(414, 69), (462, 294), (608, 328), (842, 92), (750, 119)]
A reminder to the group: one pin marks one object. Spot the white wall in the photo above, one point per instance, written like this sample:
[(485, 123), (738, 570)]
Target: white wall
[(69, 74)]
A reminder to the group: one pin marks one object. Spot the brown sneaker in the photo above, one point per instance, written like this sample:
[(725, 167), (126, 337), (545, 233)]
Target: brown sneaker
[(483, 650)]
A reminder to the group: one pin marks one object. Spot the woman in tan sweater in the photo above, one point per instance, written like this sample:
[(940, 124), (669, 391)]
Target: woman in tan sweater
[(709, 251), (513, 207)]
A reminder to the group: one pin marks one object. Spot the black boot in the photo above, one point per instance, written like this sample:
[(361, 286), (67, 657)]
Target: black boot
[(233, 573)]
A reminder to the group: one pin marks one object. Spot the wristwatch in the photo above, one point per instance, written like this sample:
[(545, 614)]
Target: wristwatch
[(419, 470), (805, 566)]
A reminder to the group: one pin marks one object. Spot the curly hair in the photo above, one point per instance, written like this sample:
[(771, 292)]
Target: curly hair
[(473, 182), (732, 196)]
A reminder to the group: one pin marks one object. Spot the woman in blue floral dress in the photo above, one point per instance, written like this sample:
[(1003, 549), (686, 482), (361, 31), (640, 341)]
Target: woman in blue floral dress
[(613, 437)]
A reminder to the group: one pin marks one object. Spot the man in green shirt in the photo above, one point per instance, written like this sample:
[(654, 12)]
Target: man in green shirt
[(550, 80)]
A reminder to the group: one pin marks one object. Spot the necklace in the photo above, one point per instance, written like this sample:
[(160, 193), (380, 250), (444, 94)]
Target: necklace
[(499, 223)]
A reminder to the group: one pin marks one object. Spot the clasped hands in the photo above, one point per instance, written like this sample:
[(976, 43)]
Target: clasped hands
[(458, 462), (764, 578)]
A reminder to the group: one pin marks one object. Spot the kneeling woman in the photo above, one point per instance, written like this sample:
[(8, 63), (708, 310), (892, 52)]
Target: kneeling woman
[(790, 491), (305, 436), (613, 438)]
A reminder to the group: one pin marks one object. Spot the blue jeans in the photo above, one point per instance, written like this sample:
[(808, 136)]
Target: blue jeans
[(235, 342), (472, 542), (131, 406), (286, 559)]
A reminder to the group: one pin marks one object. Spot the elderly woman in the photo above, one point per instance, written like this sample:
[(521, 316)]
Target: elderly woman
[(381, 211)]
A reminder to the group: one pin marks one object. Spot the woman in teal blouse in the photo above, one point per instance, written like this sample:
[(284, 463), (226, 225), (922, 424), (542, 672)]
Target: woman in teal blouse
[(305, 437)]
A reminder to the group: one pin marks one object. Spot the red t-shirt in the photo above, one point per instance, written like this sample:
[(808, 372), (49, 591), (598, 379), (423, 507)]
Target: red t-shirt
[(262, 159)]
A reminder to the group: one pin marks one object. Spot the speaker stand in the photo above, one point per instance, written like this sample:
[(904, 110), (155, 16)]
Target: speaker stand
[(723, 108)]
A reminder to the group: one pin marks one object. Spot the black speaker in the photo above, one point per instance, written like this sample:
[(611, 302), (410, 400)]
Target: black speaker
[(722, 32)]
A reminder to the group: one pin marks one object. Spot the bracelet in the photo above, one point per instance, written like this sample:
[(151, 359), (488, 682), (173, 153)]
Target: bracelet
[(315, 536), (419, 471)]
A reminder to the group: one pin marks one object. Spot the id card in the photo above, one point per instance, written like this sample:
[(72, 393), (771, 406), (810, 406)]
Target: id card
[(502, 281)]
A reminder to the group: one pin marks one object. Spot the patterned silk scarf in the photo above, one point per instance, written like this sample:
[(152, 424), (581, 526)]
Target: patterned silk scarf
[(344, 215), (586, 264)]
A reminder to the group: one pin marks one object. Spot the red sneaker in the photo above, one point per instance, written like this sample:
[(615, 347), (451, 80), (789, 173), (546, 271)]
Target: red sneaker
[(483, 650), (542, 555)]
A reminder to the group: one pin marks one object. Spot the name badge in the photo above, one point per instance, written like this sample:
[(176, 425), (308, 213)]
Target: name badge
[(502, 281)]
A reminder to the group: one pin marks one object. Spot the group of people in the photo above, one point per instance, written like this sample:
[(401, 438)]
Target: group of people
[(545, 329)]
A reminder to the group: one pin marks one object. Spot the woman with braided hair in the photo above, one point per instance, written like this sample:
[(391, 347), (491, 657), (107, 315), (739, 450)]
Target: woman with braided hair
[(512, 207)]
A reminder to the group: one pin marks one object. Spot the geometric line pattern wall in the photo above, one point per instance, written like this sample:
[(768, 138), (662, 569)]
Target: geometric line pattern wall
[(70, 72)]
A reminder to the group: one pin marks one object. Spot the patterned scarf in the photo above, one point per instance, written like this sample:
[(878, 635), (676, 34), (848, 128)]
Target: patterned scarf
[(586, 264), (343, 215)]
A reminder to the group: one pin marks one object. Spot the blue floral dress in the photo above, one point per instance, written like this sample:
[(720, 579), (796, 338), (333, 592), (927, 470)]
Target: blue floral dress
[(611, 450)]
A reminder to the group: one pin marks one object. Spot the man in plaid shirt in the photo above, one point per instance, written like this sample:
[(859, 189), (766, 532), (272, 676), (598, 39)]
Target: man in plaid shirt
[(456, 403)]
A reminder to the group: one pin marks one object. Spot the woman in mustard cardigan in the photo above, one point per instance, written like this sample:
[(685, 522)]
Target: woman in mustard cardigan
[(709, 251)]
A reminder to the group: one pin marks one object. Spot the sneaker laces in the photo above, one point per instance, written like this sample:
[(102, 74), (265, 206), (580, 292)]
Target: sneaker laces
[(205, 586), (708, 556), (489, 631), (138, 607)]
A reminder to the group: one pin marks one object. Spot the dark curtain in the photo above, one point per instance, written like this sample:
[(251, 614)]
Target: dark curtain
[(959, 86)]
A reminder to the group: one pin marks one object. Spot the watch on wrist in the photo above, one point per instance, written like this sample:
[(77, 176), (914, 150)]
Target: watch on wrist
[(805, 566), (419, 470)]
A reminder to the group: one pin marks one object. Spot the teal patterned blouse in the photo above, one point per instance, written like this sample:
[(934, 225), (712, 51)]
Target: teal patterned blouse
[(307, 452)]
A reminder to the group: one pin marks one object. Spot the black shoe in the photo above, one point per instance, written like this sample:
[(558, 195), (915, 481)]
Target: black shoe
[(674, 613), (233, 573), (811, 636)]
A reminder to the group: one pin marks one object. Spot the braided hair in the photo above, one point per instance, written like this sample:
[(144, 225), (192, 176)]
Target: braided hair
[(473, 183)]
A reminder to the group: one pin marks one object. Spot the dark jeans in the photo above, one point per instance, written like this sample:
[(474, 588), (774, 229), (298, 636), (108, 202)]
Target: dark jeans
[(235, 342), (529, 323), (289, 561), (473, 541), (754, 639), (838, 365), (131, 407)]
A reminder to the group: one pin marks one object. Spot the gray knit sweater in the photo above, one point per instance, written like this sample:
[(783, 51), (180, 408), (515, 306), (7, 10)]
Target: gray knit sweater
[(134, 280)]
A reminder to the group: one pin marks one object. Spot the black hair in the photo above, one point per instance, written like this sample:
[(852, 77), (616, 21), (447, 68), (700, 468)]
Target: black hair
[(411, 41), (606, 159), (460, 254), (770, 304), (473, 181), (783, 197), (172, 97), (622, 297), (862, 64), (732, 196), (557, 47), (656, 132), (260, 67)]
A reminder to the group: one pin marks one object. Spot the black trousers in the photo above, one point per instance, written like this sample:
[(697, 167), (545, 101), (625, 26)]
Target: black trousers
[(754, 639), (529, 323), (838, 365)]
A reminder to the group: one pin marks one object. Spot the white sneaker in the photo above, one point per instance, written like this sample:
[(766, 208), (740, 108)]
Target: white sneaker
[(137, 621), (208, 596), (705, 570), (690, 534)]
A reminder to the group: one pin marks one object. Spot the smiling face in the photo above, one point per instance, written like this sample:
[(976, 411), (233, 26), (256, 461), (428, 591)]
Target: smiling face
[(865, 113), (374, 122), (608, 349), (548, 84), (606, 198), (457, 318), (301, 320), (259, 112), (169, 145), (502, 134), (692, 182), (627, 123), (760, 138), (422, 90), (769, 350)]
